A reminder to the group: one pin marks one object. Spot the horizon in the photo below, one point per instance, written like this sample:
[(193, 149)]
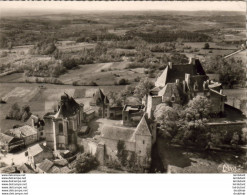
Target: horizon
[(21, 7)]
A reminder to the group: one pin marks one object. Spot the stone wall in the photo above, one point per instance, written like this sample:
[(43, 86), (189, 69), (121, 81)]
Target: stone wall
[(143, 145)]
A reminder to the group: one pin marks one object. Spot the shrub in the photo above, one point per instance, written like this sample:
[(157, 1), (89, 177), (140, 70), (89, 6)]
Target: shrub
[(123, 81), (85, 162), (137, 79)]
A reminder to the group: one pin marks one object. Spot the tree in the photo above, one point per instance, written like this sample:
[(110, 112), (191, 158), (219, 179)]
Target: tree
[(206, 46), (143, 88), (197, 108), (121, 152), (14, 111), (179, 59), (168, 120), (193, 126), (19, 114), (231, 71), (115, 99), (85, 162)]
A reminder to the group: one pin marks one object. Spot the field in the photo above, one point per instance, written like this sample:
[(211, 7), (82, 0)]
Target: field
[(40, 100), (102, 45)]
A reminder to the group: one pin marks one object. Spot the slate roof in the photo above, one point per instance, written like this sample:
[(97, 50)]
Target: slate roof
[(170, 89), (45, 165), (117, 132), (68, 107), (99, 97), (26, 168), (35, 150), (38, 148), (65, 170), (143, 127), (23, 131), (170, 75), (54, 169), (5, 138), (9, 169)]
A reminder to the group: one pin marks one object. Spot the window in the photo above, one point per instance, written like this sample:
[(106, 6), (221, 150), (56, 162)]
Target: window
[(41, 133), (60, 128), (173, 98), (143, 141), (140, 151), (125, 118)]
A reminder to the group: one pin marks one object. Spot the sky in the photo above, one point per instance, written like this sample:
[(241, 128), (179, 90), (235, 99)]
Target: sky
[(123, 6)]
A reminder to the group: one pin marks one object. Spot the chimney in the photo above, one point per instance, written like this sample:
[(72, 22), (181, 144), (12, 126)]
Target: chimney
[(221, 92), (184, 86), (170, 65), (33, 122), (192, 60), (187, 78), (177, 81)]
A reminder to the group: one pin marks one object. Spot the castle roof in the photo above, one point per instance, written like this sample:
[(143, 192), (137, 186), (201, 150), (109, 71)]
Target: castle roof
[(117, 132), (171, 89), (170, 74)]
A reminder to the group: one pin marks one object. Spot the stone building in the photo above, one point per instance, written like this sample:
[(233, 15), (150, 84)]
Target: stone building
[(180, 83), (100, 102), (61, 128), (27, 133), (39, 124), (114, 112), (37, 153), (9, 143), (132, 114), (137, 140)]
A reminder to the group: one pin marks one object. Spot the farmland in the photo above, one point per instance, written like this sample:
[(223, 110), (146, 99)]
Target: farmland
[(42, 100), (83, 51)]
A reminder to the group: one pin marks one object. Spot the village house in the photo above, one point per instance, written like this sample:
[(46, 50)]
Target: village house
[(48, 166), (37, 153), (9, 143), (103, 109), (26, 168), (27, 133), (114, 112), (45, 166), (100, 102), (37, 123), (132, 115)]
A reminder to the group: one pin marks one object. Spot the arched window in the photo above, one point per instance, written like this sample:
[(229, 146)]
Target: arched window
[(60, 128), (173, 98)]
